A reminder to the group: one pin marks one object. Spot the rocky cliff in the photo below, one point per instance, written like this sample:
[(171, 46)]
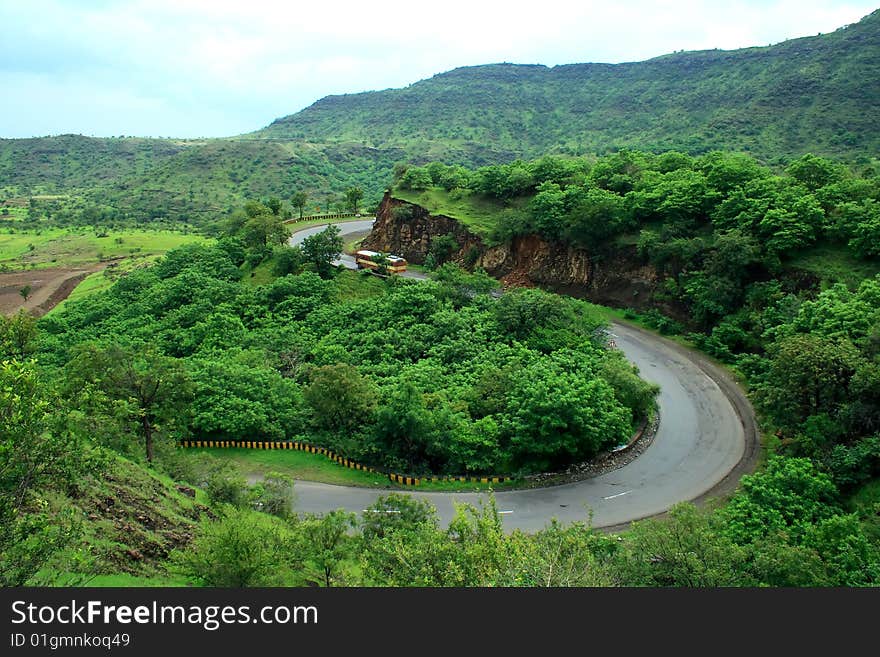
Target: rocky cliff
[(618, 278)]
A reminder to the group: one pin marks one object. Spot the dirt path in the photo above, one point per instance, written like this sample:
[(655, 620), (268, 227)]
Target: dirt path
[(49, 287)]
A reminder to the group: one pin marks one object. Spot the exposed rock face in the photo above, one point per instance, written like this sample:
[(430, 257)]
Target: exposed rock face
[(618, 279), (406, 230)]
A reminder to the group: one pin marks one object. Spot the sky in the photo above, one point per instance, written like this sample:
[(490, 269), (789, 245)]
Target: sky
[(214, 68)]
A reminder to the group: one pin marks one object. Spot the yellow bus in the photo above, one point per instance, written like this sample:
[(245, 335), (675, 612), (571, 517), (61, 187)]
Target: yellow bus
[(373, 260)]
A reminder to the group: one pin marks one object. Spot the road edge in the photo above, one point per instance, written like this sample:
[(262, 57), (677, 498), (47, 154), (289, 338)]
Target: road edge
[(738, 399)]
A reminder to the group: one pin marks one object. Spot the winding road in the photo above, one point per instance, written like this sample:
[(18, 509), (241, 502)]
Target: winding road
[(352, 230), (707, 438)]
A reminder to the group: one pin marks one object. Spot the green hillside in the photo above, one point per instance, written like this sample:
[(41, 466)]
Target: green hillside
[(74, 161), (817, 94)]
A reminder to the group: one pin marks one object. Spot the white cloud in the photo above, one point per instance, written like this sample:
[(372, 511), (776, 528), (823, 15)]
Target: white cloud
[(218, 67)]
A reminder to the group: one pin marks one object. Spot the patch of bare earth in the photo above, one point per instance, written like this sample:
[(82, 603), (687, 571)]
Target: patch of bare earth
[(48, 287)]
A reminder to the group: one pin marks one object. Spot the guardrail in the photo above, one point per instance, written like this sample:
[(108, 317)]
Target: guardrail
[(335, 215), (404, 480)]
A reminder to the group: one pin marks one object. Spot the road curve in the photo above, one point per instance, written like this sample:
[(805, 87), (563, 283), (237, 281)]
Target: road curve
[(346, 228), (706, 439)]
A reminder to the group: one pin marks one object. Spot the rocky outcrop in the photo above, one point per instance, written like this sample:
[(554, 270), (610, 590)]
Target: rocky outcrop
[(406, 230), (619, 278)]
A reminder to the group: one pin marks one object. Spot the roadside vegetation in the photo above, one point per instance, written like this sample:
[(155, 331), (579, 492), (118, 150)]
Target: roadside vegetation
[(444, 377)]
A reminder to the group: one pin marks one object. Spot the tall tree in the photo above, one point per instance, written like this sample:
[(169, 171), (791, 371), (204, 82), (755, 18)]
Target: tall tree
[(151, 387), (299, 200), (353, 196), (325, 542), (275, 205), (264, 230), (322, 249), (17, 335), (340, 396)]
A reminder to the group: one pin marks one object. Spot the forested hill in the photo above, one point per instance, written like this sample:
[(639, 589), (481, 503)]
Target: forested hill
[(817, 94)]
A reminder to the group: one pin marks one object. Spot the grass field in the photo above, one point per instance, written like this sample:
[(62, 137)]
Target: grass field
[(315, 467), (299, 465), (66, 247), (477, 213)]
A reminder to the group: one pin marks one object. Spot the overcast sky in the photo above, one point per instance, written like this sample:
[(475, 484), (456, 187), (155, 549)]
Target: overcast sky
[(211, 68)]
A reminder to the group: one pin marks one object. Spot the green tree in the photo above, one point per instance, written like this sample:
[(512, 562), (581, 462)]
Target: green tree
[(442, 247), (521, 311), (324, 543), (630, 390), (340, 397), (353, 196), (288, 260), (556, 417), (274, 204), (460, 286), (238, 395), (37, 454), (593, 215), (546, 208), (274, 495), (240, 549), (683, 550), (416, 178), (559, 555), (264, 231), (865, 228), (726, 172), (396, 512), (808, 374), (152, 388), (299, 201), (322, 248), (405, 428), (25, 292), (788, 496), (18, 334), (814, 172)]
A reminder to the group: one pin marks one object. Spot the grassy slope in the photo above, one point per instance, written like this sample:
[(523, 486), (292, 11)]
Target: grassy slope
[(132, 519), (102, 280), (63, 247), (300, 465), (835, 263), (478, 213), (196, 182)]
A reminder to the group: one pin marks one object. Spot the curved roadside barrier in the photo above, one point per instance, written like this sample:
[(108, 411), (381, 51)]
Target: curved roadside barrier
[(403, 480)]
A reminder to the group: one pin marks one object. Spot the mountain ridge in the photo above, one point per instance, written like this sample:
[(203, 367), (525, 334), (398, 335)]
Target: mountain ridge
[(694, 101)]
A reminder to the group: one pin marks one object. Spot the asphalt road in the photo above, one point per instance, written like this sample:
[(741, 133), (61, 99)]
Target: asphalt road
[(347, 229), (705, 440)]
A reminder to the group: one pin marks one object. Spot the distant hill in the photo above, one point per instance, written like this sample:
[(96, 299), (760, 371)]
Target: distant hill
[(817, 94), (75, 161)]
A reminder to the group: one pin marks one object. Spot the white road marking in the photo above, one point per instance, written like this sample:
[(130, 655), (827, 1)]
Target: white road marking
[(500, 512), (611, 497)]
